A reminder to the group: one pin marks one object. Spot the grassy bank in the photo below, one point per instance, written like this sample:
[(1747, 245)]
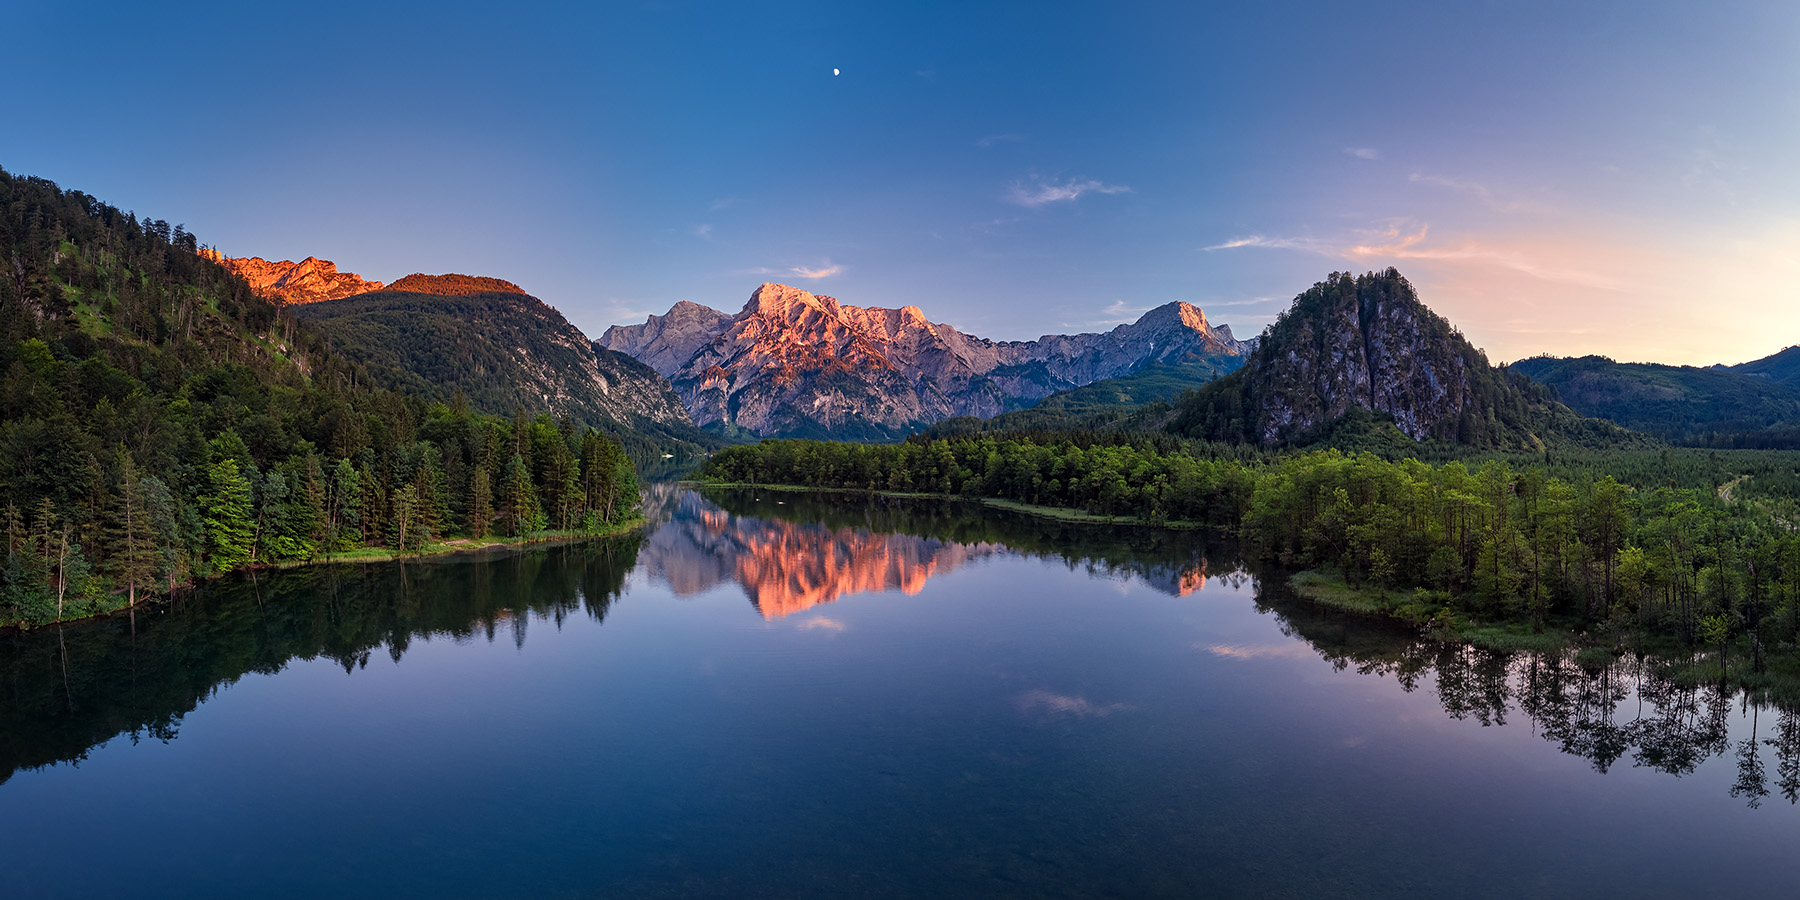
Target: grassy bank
[(1059, 513), (115, 603)]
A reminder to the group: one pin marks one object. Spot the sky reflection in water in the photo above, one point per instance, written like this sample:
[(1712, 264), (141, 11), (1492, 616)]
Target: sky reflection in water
[(918, 699)]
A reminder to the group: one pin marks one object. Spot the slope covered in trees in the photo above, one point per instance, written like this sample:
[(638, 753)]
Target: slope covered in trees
[(432, 336), (1783, 367), (160, 422), (1683, 404), (1367, 344), (1132, 402)]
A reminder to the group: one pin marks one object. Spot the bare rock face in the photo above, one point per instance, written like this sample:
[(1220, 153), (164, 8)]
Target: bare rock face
[(1356, 352), (1365, 343), (311, 280), (796, 363), (665, 343)]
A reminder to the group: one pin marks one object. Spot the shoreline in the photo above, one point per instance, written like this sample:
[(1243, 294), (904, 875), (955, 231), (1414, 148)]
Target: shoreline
[(1059, 513), (360, 556)]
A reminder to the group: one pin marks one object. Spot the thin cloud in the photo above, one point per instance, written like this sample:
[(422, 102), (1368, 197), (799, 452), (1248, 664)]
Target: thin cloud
[(993, 139), (1258, 301), (1396, 242), (825, 271), (1257, 240), (1363, 152), (702, 230), (1041, 193), (818, 622), (1252, 651), (1494, 199), (721, 203), (1065, 705), (756, 270)]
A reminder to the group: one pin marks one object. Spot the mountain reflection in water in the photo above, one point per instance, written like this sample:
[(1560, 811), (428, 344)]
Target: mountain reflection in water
[(64, 691), (789, 565)]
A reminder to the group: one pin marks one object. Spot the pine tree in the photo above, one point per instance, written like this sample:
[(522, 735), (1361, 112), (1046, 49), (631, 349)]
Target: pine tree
[(481, 503), (225, 511), (520, 512), (133, 557)]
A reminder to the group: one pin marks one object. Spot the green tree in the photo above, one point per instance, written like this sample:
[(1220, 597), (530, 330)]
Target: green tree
[(133, 559), (225, 510)]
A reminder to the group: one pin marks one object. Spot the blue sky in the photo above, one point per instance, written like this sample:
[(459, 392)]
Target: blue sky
[(1561, 177)]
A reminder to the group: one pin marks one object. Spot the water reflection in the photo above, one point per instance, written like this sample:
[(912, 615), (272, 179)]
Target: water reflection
[(787, 567), (791, 552), (1624, 707), (64, 691)]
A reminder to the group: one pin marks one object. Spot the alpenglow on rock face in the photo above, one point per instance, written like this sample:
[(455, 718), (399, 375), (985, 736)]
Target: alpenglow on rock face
[(311, 280), (796, 363)]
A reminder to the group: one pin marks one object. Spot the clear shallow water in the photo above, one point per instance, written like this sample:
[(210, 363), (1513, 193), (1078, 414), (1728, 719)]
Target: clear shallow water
[(832, 698)]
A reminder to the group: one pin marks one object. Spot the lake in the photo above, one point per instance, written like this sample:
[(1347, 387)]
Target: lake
[(786, 695)]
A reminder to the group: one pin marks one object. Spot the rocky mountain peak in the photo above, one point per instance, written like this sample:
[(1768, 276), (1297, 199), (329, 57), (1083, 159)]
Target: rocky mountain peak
[(311, 280), (784, 302)]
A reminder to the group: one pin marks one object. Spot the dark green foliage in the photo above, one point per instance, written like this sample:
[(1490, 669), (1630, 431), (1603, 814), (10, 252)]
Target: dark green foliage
[(1137, 401), (1783, 367), (1743, 406), (159, 421)]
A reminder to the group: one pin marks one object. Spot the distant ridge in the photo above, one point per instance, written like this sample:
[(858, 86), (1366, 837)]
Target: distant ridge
[(452, 285)]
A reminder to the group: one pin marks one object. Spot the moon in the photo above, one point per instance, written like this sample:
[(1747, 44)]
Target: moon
[(834, 71)]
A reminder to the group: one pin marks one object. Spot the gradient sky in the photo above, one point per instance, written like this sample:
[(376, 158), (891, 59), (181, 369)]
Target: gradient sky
[(1564, 177)]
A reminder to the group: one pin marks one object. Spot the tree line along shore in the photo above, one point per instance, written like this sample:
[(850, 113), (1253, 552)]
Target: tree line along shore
[(1666, 551)]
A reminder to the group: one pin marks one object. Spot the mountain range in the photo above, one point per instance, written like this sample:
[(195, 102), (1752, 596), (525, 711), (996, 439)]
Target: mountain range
[(793, 363)]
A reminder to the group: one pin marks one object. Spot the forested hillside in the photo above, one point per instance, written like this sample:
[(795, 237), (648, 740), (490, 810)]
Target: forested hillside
[(1783, 367), (1139, 401), (159, 422), (432, 336), (1711, 407)]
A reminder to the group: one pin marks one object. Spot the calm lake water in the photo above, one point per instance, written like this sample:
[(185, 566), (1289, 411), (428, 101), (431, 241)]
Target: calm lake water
[(784, 696)]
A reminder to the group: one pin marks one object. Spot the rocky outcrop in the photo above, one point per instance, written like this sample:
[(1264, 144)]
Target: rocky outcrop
[(1366, 344), (311, 280), (795, 363)]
